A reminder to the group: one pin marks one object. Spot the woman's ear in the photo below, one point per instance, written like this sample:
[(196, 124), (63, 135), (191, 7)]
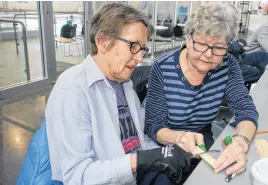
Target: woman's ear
[(188, 40), (102, 43)]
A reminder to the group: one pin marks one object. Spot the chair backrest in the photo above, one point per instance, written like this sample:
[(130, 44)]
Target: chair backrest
[(167, 32), (83, 30), (73, 31), (36, 169), (68, 31), (178, 32), (140, 78)]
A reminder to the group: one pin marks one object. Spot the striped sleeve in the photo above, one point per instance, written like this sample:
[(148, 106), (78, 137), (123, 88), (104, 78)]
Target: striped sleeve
[(236, 94), (156, 109)]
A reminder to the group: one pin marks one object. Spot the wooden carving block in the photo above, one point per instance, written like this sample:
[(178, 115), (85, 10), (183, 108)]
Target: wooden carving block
[(206, 157), (262, 147)]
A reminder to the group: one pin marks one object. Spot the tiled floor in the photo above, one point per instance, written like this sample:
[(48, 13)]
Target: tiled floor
[(18, 122), (12, 65), (14, 142), (20, 119)]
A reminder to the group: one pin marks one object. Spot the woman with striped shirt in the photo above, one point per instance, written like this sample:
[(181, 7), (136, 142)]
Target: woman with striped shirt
[(186, 89)]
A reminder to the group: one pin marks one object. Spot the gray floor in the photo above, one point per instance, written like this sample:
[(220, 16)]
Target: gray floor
[(19, 119)]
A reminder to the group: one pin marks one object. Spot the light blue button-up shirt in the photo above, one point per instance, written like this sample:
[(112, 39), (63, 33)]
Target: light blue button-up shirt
[(83, 128)]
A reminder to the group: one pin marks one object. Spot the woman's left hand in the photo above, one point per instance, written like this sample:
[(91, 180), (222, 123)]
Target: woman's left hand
[(233, 153)]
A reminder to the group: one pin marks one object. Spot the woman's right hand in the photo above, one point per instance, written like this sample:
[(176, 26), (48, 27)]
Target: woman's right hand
[(171, 160), (188, 140)]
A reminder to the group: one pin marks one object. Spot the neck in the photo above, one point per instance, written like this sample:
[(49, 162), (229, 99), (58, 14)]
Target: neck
[(191, 73), (104, 67)]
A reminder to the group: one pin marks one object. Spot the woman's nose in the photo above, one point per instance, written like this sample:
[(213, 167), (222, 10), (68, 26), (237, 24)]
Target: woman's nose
[(208, 53), (138, 57)]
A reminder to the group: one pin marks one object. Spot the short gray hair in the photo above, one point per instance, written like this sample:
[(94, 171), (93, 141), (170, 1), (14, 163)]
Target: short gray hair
[(110, 20), (217, 20)]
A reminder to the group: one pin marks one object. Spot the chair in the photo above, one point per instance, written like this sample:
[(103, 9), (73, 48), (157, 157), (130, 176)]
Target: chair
[(166, 33), (165, 30), (140, 78), (36, 169), (63, 40), (178, 34), (81, 37)]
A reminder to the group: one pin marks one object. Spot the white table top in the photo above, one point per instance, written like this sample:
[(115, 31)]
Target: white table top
[(203, 174)]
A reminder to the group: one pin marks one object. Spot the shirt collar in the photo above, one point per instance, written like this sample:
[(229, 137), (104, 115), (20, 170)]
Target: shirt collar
[(94, 73)]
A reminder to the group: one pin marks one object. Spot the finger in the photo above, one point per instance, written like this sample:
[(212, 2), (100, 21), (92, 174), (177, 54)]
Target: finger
[(199, 138), (236, 168), (241, 170), (182, 145), (191, 141), (239, 166), (231, 152), (225, 159), (232, 156), (179, 136), (221, 159), (184, 140), (228, 161)]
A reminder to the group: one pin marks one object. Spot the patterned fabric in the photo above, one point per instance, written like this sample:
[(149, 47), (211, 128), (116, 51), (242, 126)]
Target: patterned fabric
[(129, 136), (172, 102)]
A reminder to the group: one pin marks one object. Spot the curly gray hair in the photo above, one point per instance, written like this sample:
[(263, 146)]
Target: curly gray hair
[(110, 20), (217, 20)]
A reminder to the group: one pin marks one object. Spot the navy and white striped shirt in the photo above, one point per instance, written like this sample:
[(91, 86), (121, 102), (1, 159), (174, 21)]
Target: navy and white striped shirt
[(172, 102)]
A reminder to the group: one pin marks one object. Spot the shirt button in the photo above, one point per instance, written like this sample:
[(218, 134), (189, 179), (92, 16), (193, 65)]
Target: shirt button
[(209, 73), (202, 83), (178, 66), (192, 87), (183, 78)]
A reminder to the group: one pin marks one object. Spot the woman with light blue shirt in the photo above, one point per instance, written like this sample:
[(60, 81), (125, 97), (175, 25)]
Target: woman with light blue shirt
[(186, 89), (95, 124)]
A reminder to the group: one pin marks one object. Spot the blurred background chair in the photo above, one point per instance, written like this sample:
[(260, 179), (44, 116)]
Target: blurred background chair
[(67, 36), (140, 78), (178, 34)]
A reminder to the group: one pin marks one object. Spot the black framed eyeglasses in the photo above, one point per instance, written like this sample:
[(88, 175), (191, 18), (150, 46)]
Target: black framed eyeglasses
[(203, 47), (135, 47)]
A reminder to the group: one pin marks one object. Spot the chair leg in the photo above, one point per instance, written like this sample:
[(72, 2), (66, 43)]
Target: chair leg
[(77, 47), (82, 46), (61, 49), (64, 50), (69, 49)]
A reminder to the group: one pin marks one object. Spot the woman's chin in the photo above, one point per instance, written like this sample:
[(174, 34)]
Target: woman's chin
[(204, 69)]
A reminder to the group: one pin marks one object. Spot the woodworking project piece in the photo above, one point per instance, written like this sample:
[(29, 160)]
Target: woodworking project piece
[(262, 147), (206, 157)]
